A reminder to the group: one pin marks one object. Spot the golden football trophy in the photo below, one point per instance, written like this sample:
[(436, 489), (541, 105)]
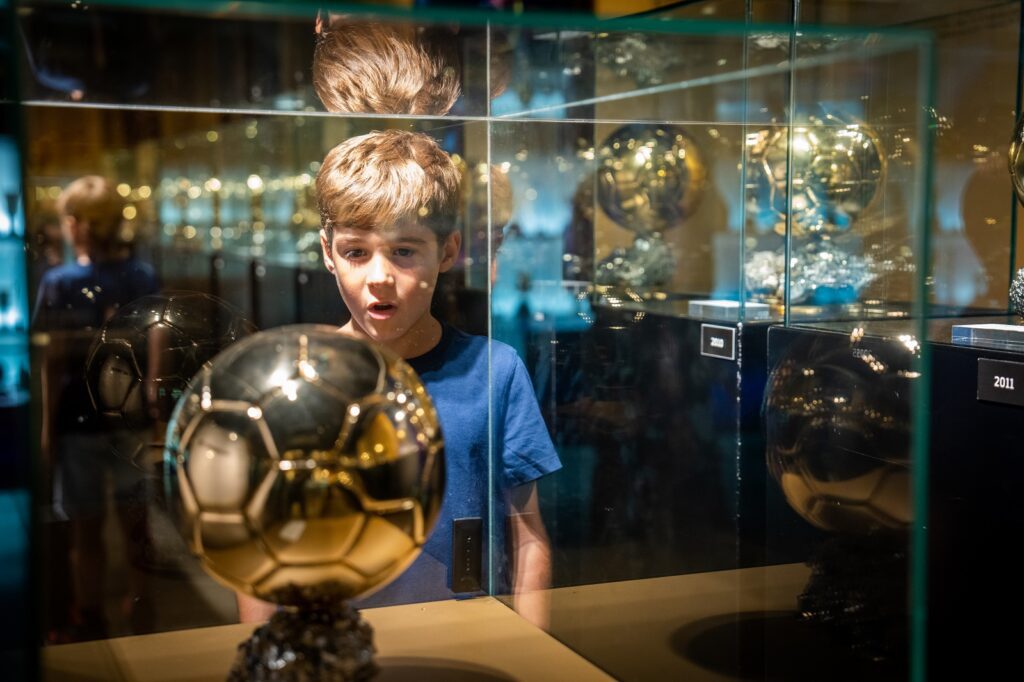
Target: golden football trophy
[(308, 469)]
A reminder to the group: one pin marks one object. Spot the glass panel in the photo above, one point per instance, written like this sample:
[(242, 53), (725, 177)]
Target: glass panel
[(844, 405), (675, 551), (971, 338), (219, 206), (215, 187)]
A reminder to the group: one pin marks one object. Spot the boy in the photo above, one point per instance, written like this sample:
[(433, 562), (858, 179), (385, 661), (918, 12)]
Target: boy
[(389, 206)]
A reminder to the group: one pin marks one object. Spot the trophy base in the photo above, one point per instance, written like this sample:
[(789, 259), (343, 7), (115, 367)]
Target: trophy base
[(858, 589), (323, 638)]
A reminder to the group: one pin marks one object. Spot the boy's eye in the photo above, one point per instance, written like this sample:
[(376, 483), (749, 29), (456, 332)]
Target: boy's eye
[(352, 253), (404, 252)]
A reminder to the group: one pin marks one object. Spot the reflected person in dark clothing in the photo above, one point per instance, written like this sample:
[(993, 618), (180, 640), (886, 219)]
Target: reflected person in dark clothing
[(73, 302)]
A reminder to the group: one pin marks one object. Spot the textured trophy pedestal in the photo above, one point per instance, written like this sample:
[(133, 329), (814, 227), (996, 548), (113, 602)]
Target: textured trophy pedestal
[(323, 639), (648, 262), (1017, 294), (858, 589)]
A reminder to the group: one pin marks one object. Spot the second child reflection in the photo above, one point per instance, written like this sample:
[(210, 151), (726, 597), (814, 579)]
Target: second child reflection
[(74, 301)]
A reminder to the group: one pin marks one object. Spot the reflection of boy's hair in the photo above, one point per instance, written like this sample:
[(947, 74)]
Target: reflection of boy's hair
[(96, 206), (387, 177), (498, 54), (479, 186), (367, 67)]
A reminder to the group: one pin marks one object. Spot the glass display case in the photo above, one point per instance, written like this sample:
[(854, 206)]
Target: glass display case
[(705, 236), (972, 338)]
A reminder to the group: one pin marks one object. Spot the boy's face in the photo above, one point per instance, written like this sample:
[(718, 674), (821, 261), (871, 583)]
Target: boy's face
[(386, 278)]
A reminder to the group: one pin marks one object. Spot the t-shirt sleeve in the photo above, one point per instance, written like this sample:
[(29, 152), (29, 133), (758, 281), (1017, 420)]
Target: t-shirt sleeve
[(528, 453), (46, 301)]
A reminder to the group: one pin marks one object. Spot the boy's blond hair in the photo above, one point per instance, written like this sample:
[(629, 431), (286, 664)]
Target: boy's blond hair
[(385, 178), (93, 201), (365, 67)]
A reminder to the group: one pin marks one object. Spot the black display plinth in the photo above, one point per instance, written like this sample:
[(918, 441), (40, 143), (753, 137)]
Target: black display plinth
[(975, 470)]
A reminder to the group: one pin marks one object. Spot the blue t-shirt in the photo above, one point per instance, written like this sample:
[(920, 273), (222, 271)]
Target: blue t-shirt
[(455, 373), (75, 297)]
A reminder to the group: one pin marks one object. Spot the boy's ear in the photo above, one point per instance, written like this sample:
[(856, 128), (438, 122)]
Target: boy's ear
[(450, 251), (326, 249)]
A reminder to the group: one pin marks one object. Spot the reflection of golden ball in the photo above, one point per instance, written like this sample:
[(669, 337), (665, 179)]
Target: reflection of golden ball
[(1017, 159), (144, 357), (650, 177), (838, 432), (302, 458), (838, 171)]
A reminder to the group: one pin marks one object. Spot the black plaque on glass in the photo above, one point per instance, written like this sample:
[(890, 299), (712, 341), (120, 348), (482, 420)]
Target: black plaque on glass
[(467, 547), (1000, 381), (717, 341)]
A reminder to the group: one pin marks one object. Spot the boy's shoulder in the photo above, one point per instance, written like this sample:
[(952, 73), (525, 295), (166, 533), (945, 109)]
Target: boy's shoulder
[(460, 354), (133, 266), (64, 272), (66, 276), (75, 272), (503, 356)]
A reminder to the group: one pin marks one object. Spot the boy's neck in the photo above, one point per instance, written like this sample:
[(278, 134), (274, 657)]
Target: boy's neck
[(420, 339)]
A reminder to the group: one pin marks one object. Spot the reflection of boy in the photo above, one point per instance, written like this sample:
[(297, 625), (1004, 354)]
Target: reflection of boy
[(389, 204), (84, 294), (74, 300), (370, 67)]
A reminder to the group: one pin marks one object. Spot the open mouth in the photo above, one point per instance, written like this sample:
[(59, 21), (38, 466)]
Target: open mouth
[(381, 311)]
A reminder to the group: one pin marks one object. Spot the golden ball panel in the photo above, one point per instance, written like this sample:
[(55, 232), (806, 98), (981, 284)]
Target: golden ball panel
[(304, 457)]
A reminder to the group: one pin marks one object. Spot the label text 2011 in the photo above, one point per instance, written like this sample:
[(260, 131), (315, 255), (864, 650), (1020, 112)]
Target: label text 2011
[(1005, 383)]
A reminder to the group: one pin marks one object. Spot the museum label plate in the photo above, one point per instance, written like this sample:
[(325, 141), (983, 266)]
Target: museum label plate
[(717, 341), (1000, 381)]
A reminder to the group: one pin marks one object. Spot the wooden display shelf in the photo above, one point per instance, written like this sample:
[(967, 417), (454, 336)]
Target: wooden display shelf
[(476, 640)]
